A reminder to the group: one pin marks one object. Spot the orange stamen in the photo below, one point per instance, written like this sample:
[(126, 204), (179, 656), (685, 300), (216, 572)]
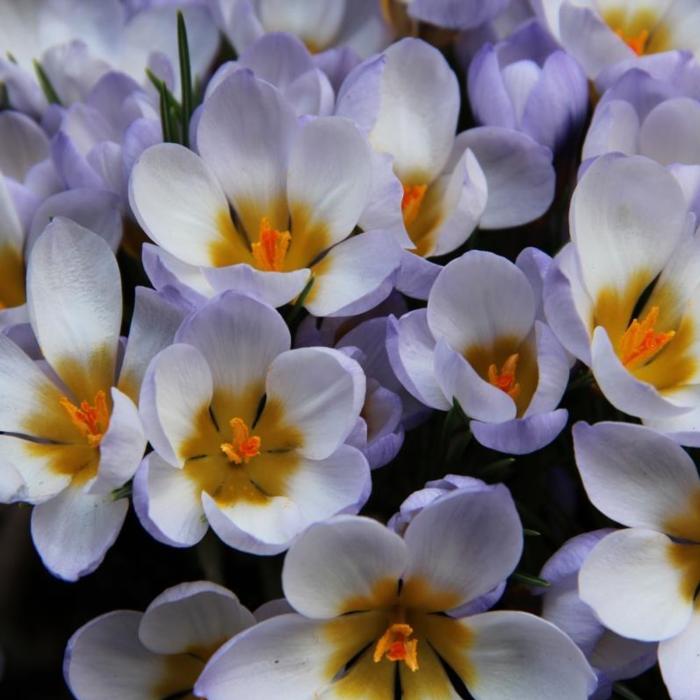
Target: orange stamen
[(91, 420), (272, 246), (396, 645), (637, 43), (244, 446), (411, 202), (505, 379), (640, 342)]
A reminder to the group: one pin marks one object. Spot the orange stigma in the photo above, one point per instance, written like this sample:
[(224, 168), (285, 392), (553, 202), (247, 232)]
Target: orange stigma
[(411, 201), (640, 342), (505, 378), (272, 246), (396, 645), (637, 43), (91, 420), (244, 446)]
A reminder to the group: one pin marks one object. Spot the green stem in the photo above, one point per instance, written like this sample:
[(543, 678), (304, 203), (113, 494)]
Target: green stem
[(622, 691), (122, 492), (298, 305)]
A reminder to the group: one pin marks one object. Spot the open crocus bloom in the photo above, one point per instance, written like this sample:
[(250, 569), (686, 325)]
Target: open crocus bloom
[(479, 342), (282, 216), (451, 15), (71, 430), (642, 581), (371, 614), (622, 297), (602, 33), (320, 24), (612, 657), (156, 654), (248, 435), (407, 101), (77, 43)]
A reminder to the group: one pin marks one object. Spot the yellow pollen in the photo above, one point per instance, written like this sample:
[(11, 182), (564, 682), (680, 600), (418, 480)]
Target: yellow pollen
[(91, 420), (505, 379), (244, 446), (396, 645), (411, 202), (637, 43), (640, 342), (272, 246)]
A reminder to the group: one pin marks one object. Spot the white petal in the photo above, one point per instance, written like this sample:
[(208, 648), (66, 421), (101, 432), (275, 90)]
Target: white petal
[(343, 565), (678, 660), (636, 476), (316, 22), (168, 503), (614, 129), (668, 134), (24, 144), (320, 392), (190, 616), (73, 531), (634, 586), (75, 305), (463, 545)]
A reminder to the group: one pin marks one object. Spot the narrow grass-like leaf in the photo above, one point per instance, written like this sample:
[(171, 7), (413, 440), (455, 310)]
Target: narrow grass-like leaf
[(187, 104), (45, 84)]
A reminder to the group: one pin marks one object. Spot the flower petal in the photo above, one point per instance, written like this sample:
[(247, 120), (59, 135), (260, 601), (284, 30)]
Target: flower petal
[(678, 658), (521, 435), (24, 144)]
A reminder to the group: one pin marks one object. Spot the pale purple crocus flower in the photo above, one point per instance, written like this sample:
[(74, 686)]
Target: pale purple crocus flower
[(608, 34), (611, 656), (249, 436), (281, 219), (158, 653), (370, 610), (621, 297), (72, 436), (479, 341), (77, 44), (429, 185), (528, 83), (641, 581), (449, 14)]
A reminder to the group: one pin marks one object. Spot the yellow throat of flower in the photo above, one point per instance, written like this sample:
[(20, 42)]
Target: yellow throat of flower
[(92, 420), (244, 446), (411, 202), (271, 249)]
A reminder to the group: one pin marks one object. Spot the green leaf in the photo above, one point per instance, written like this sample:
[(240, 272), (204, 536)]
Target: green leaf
[(529, 580), (45, 84), (298, 305), (622, 691), (531, 533), (185, 78)]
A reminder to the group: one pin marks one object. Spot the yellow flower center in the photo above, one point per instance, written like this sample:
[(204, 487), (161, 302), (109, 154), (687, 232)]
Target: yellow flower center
[(411, 202), (505, 378), (91, 420), (637, 42), (640, 342), (641, 29), (396, 644), (271, 249), (244, 446)]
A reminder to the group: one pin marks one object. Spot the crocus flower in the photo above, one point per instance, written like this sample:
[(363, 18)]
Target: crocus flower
[(77, 43), (156, 654), (602, 33), (71, 430), (642, 581), (612, 657), (279, 219), (248, 435), (621, 296), (407, 101), (479, 342), (320, 24), (526, 82), (454, 15), (371, 613), (283, 61)]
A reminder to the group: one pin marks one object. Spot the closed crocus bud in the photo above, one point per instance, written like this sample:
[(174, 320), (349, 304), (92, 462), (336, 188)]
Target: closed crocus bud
[(527, 83)]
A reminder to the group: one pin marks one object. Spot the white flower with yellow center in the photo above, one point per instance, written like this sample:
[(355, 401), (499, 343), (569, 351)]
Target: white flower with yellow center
[(268, 206), (603, 33), (623, 296), (71, 432), (642, 581), (248, 434), (373, 616), (407, 101), (156, 654)]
